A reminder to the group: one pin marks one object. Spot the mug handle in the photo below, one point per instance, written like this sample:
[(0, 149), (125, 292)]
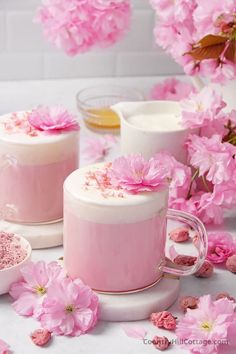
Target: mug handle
[(201, 245)]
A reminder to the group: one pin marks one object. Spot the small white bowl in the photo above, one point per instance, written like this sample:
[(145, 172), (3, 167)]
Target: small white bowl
[(13, 274)]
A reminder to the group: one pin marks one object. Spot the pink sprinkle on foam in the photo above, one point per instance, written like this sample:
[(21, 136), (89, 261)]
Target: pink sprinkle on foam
[(101, 181), (18, 123), (11, 250)]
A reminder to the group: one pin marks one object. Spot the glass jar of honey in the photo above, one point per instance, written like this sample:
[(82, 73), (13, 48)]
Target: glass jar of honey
[(94, 104)]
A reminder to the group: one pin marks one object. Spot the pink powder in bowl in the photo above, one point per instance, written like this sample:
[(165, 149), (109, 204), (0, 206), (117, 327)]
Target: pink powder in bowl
[(12, 251)]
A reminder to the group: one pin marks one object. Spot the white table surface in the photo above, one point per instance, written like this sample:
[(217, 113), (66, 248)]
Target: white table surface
[(108, 337)]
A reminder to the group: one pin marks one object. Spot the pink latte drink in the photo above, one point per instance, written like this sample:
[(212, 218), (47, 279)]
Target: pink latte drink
[(33, 167), (114, 241)]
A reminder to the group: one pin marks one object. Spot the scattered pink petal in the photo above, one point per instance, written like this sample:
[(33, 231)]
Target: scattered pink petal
[(188, 302), (206, 270), (231, 263), (161, 343), (163, 319), (137, 332), (4, 347), (171, 89), (41, 337), (180, 234)]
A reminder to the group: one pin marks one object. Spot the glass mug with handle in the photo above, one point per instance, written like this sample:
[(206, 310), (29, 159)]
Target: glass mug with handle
[(116, 243)]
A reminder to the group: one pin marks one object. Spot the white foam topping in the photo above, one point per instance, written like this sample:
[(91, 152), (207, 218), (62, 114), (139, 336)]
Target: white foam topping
[(109, 205), (35, 149)]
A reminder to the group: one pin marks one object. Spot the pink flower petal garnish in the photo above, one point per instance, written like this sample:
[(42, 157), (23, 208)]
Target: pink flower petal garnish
[(231, 263), (53, 119), (136, 332), (133, 174)]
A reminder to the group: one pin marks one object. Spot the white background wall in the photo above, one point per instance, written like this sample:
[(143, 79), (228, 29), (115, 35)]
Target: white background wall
[(24, 54)]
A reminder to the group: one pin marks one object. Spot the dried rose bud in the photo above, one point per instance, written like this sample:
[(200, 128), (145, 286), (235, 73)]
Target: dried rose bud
[(161, 343), (225, 295), (163, 319), (231, 263), (41, 337), (206, 270), (184, 260), (179, 235), (188, 302)]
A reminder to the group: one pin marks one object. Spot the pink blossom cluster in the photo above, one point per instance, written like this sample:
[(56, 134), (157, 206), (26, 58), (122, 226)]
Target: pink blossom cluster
[(62, 305), (171, 89), (77, 26), (182, 24), (207, 184)]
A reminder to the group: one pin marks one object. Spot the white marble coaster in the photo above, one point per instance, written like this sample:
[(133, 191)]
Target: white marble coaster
[(39, 236), (139, 306)]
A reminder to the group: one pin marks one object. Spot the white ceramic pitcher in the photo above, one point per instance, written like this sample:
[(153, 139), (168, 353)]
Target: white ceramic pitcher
[(151, 126)]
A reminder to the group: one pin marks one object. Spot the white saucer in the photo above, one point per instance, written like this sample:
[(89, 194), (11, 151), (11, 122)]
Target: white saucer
[(139, 306), (39, 236)]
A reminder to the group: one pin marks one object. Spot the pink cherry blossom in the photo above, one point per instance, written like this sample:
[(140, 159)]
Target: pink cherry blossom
[(208, 210), (52, 119), (4, 347), (97, 148), (221, 246), (201, 108), (181, 24), (70, 308), (171, 89), (212, 157), (29, 292), (77, 26), (203, 329), (135, 175)]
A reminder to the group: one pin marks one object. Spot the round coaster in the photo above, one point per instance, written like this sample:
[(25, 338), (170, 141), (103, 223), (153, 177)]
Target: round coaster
[(139, 306), (39, 236)]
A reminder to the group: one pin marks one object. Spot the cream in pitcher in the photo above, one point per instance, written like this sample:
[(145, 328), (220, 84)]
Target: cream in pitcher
[(149, 127)]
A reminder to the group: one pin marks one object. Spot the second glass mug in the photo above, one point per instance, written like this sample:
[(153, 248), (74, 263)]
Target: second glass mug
[(121, 249)]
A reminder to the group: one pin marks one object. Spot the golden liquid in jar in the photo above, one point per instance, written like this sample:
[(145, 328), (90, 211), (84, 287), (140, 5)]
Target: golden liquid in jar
[(102, 118)]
